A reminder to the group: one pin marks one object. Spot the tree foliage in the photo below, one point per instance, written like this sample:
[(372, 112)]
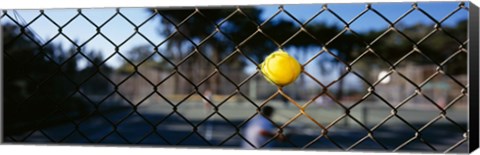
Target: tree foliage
[(37, 87)]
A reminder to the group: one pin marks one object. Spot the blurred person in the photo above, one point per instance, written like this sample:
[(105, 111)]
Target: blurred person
[(324, 101), (259, 130), (207, 109), (208, 96)]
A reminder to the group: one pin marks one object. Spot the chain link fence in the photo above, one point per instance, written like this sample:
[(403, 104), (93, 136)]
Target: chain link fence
[(167, 104)]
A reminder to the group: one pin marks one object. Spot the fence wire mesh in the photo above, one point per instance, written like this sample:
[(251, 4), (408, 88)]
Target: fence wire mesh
[(181, 27)]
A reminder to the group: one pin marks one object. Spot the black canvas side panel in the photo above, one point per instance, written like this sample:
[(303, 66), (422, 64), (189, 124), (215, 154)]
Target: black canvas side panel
[(473, 76)]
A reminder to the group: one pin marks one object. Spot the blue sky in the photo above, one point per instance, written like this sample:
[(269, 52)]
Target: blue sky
[(119, 29), (371, 21)]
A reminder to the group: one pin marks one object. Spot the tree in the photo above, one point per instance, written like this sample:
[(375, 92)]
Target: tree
[(200, 25), (438, 47), (39, 88), (349, 45)]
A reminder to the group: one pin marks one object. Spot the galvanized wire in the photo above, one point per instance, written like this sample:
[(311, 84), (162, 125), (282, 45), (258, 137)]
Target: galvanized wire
[(325, 128)]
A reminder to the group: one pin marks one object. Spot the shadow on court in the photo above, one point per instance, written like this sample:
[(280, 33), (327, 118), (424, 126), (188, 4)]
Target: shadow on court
[(175, 130)]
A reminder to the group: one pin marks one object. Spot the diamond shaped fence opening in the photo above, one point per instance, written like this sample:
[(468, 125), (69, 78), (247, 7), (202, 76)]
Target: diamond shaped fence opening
[(387, 76)]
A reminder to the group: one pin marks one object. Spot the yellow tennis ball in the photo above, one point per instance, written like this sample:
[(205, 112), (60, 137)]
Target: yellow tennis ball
[(280, 68)]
